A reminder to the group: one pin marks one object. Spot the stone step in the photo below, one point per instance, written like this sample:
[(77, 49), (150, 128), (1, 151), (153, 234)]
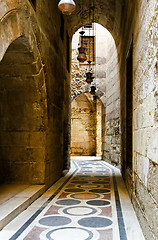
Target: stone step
[(18, 203)]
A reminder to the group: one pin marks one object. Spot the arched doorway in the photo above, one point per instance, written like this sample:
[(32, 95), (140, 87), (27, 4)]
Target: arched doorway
[(22, 124)]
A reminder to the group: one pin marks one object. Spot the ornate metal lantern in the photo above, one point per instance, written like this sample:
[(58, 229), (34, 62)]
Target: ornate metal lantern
[(94, 98), (93, 88), (67, 6), (89, 77), (89, 74), (82, 55), (82, 51)]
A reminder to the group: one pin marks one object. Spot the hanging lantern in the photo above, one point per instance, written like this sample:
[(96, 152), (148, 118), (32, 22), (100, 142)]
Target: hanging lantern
[(93, 88), (66, 6), (82, 55), (89, 74), (89, 77), (82, 51), (82, 32), (94, 98)]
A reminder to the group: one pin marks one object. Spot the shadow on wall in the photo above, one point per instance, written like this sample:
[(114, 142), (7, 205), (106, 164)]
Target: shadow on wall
[(22, 126)]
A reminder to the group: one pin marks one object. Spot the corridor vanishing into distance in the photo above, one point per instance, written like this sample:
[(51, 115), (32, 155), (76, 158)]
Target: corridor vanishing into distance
[(77, 85), (89, 203)]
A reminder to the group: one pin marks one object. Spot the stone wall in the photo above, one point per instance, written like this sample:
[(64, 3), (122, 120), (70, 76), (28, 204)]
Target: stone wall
[(111, 152), (145, 121), (141, 21), (99, 126), (37, 140), (22, 116), (83, 126)]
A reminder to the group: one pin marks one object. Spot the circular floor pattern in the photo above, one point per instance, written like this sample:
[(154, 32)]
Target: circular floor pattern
[(54, 221), (85, 196), (101, 178), (95, 222), (71, 190), (100, 203), (80, 211), (99, 182), (87, 186), (79, 182), (70, 233), (102, 190), (68, 202)]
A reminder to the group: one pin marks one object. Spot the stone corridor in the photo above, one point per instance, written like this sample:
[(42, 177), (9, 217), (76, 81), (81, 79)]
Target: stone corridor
[(89, 202)]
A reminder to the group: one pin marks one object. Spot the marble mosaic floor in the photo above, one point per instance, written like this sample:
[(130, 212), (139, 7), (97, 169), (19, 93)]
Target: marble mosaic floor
[(89, 203)]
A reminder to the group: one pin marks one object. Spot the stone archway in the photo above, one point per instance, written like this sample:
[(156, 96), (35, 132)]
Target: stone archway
[(22, 116), (107, 80), (17, 19)]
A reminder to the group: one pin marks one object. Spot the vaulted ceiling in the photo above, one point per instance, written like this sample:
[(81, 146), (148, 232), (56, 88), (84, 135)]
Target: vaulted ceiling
[(106, 12)]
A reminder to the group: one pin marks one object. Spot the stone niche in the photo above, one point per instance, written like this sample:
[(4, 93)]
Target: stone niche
[(22, 125)]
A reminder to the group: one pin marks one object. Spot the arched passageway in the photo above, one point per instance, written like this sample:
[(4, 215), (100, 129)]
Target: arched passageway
[(49, 33), (105, 68)]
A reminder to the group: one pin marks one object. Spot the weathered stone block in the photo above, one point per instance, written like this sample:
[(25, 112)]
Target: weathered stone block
[(147, 204), (153, 180)]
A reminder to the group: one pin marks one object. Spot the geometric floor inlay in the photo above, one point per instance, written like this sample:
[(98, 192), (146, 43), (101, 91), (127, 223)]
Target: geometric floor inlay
[(68, 202), (82, 208), (98, 202), (89, 203), (70, 233), (85, 196), (95, 222), (80, 211), (55, 221)]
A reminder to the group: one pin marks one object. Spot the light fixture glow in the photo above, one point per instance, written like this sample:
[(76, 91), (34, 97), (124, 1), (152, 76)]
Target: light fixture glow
[(67, 6)]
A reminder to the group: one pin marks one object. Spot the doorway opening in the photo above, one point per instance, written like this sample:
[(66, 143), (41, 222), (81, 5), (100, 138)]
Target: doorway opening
[(86, 126), (103, 54)]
